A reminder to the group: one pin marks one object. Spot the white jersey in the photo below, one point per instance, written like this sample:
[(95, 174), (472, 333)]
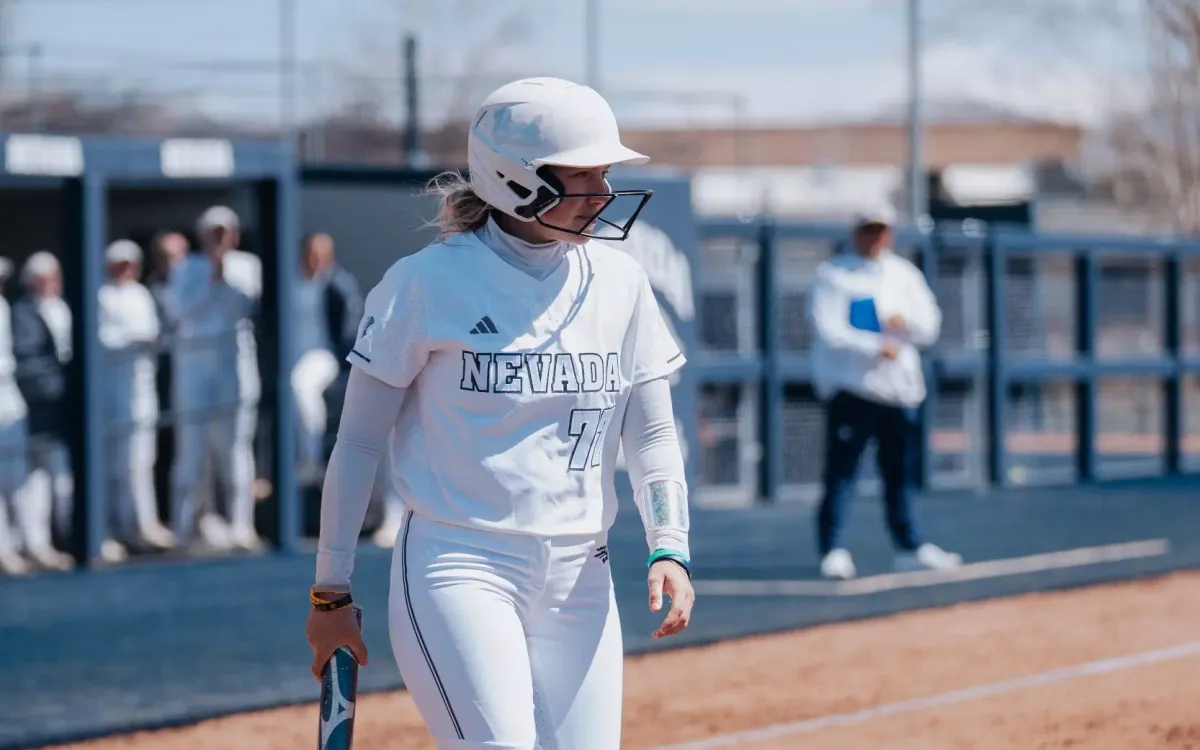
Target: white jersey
[(129, 330), (517, 386)]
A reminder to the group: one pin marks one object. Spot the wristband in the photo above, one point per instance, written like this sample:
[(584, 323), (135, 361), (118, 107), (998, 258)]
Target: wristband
[(675, 557), (341, 601)]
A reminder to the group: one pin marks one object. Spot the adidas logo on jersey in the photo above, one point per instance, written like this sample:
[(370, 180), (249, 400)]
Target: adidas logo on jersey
[(602, 553), (517, 372), (485, 325)]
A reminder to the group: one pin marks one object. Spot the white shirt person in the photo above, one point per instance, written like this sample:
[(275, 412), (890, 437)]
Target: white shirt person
[(873, 312)]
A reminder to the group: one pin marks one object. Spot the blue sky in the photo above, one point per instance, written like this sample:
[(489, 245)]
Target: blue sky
[(785, 60)]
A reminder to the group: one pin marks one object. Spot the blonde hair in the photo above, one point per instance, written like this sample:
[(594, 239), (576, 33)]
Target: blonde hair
[(461, 209)]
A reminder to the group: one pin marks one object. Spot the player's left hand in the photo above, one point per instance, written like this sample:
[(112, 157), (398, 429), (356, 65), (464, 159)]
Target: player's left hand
[(669, 578)]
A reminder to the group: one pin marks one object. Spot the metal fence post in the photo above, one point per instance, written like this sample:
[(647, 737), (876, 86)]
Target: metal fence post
[(287, 223), (1173, 381), (1086, 280), (771, 384), (995, 282), (94, 230), (929, 266)]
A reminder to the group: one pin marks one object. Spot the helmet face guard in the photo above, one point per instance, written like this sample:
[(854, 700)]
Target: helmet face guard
[(547, 199)]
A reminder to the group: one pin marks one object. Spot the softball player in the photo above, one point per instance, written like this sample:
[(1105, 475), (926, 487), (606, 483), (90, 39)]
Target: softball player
[(512, 358)]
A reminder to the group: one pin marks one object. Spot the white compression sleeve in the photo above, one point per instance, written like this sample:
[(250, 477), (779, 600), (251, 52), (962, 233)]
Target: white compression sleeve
[(655, 465), (369, 413)]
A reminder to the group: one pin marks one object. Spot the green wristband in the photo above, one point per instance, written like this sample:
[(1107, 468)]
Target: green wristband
[(673, 556)]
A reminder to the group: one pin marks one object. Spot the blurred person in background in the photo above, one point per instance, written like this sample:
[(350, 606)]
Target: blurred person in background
[(211, 301), (873, 311), (13, 444), (328, 310), (168, 249), (41, 330), (129, 334), (219, 226)]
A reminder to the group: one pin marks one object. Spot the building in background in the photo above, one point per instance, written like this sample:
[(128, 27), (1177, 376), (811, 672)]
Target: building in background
[(976, 155)]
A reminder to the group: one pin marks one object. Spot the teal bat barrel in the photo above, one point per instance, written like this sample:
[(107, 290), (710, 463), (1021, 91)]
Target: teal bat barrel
[(339, 691)]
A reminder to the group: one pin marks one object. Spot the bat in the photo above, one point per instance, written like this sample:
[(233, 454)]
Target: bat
[(339, 691)]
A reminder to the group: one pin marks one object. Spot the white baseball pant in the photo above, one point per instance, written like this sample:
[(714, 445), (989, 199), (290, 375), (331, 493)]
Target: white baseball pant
[(214, 419), (313, 373), (507, 641)]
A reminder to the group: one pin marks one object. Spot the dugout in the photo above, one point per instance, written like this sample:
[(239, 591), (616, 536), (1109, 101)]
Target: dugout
[(75, 195)]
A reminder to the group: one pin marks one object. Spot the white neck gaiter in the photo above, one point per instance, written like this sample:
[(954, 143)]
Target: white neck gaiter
[(539, 260)]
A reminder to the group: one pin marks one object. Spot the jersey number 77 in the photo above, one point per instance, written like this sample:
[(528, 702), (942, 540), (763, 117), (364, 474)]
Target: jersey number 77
[(588, 427)]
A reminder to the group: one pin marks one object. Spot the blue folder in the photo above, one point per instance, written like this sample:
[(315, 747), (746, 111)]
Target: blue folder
[(863, 315)]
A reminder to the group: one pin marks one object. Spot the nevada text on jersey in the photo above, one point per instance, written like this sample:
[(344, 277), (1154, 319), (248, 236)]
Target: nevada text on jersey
[(517, 372)]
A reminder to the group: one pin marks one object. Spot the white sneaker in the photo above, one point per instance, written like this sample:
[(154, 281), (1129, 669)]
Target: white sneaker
[(158, 536), (214, 531), (838, 564), (112, 551), (246, 539), (928, 557), (12, 564), (52, 559)]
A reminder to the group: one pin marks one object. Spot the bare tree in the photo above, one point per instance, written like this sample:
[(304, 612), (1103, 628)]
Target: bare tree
[(1145, 154), (466, 47), (1156, 151)]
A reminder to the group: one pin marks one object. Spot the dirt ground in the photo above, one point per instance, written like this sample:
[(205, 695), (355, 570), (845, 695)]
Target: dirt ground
[(766, 681)]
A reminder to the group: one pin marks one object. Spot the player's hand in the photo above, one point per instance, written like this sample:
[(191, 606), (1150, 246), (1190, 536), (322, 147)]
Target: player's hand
[(669, 578), (329, 631), (889, 350), (897, 324)]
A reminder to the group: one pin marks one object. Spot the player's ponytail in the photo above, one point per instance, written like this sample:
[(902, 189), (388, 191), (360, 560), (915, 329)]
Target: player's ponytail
[(461, 209)]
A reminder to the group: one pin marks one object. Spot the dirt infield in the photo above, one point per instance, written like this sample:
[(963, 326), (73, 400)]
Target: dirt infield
[(896, 682)]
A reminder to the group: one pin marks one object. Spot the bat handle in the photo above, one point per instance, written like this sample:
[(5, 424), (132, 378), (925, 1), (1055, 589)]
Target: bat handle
[(339, 692)]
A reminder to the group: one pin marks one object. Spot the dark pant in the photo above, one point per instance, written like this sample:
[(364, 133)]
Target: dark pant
[(850, 423)]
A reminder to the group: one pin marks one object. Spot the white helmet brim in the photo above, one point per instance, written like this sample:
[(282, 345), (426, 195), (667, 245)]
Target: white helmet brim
[(595, 155)]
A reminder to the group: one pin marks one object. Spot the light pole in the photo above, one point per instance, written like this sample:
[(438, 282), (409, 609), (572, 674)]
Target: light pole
[(917, 204), (287, 72), (591, 44)]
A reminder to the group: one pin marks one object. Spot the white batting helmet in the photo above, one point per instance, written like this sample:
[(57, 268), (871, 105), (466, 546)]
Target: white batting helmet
[(525, 127)]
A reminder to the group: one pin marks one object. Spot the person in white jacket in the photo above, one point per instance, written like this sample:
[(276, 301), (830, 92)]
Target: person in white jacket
[(129, 335), (872, 311)]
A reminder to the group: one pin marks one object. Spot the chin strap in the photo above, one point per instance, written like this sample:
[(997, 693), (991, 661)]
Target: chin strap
[(663, 505)]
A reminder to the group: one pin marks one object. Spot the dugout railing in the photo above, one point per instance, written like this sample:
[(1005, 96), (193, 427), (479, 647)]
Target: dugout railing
[(1062, 359)]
